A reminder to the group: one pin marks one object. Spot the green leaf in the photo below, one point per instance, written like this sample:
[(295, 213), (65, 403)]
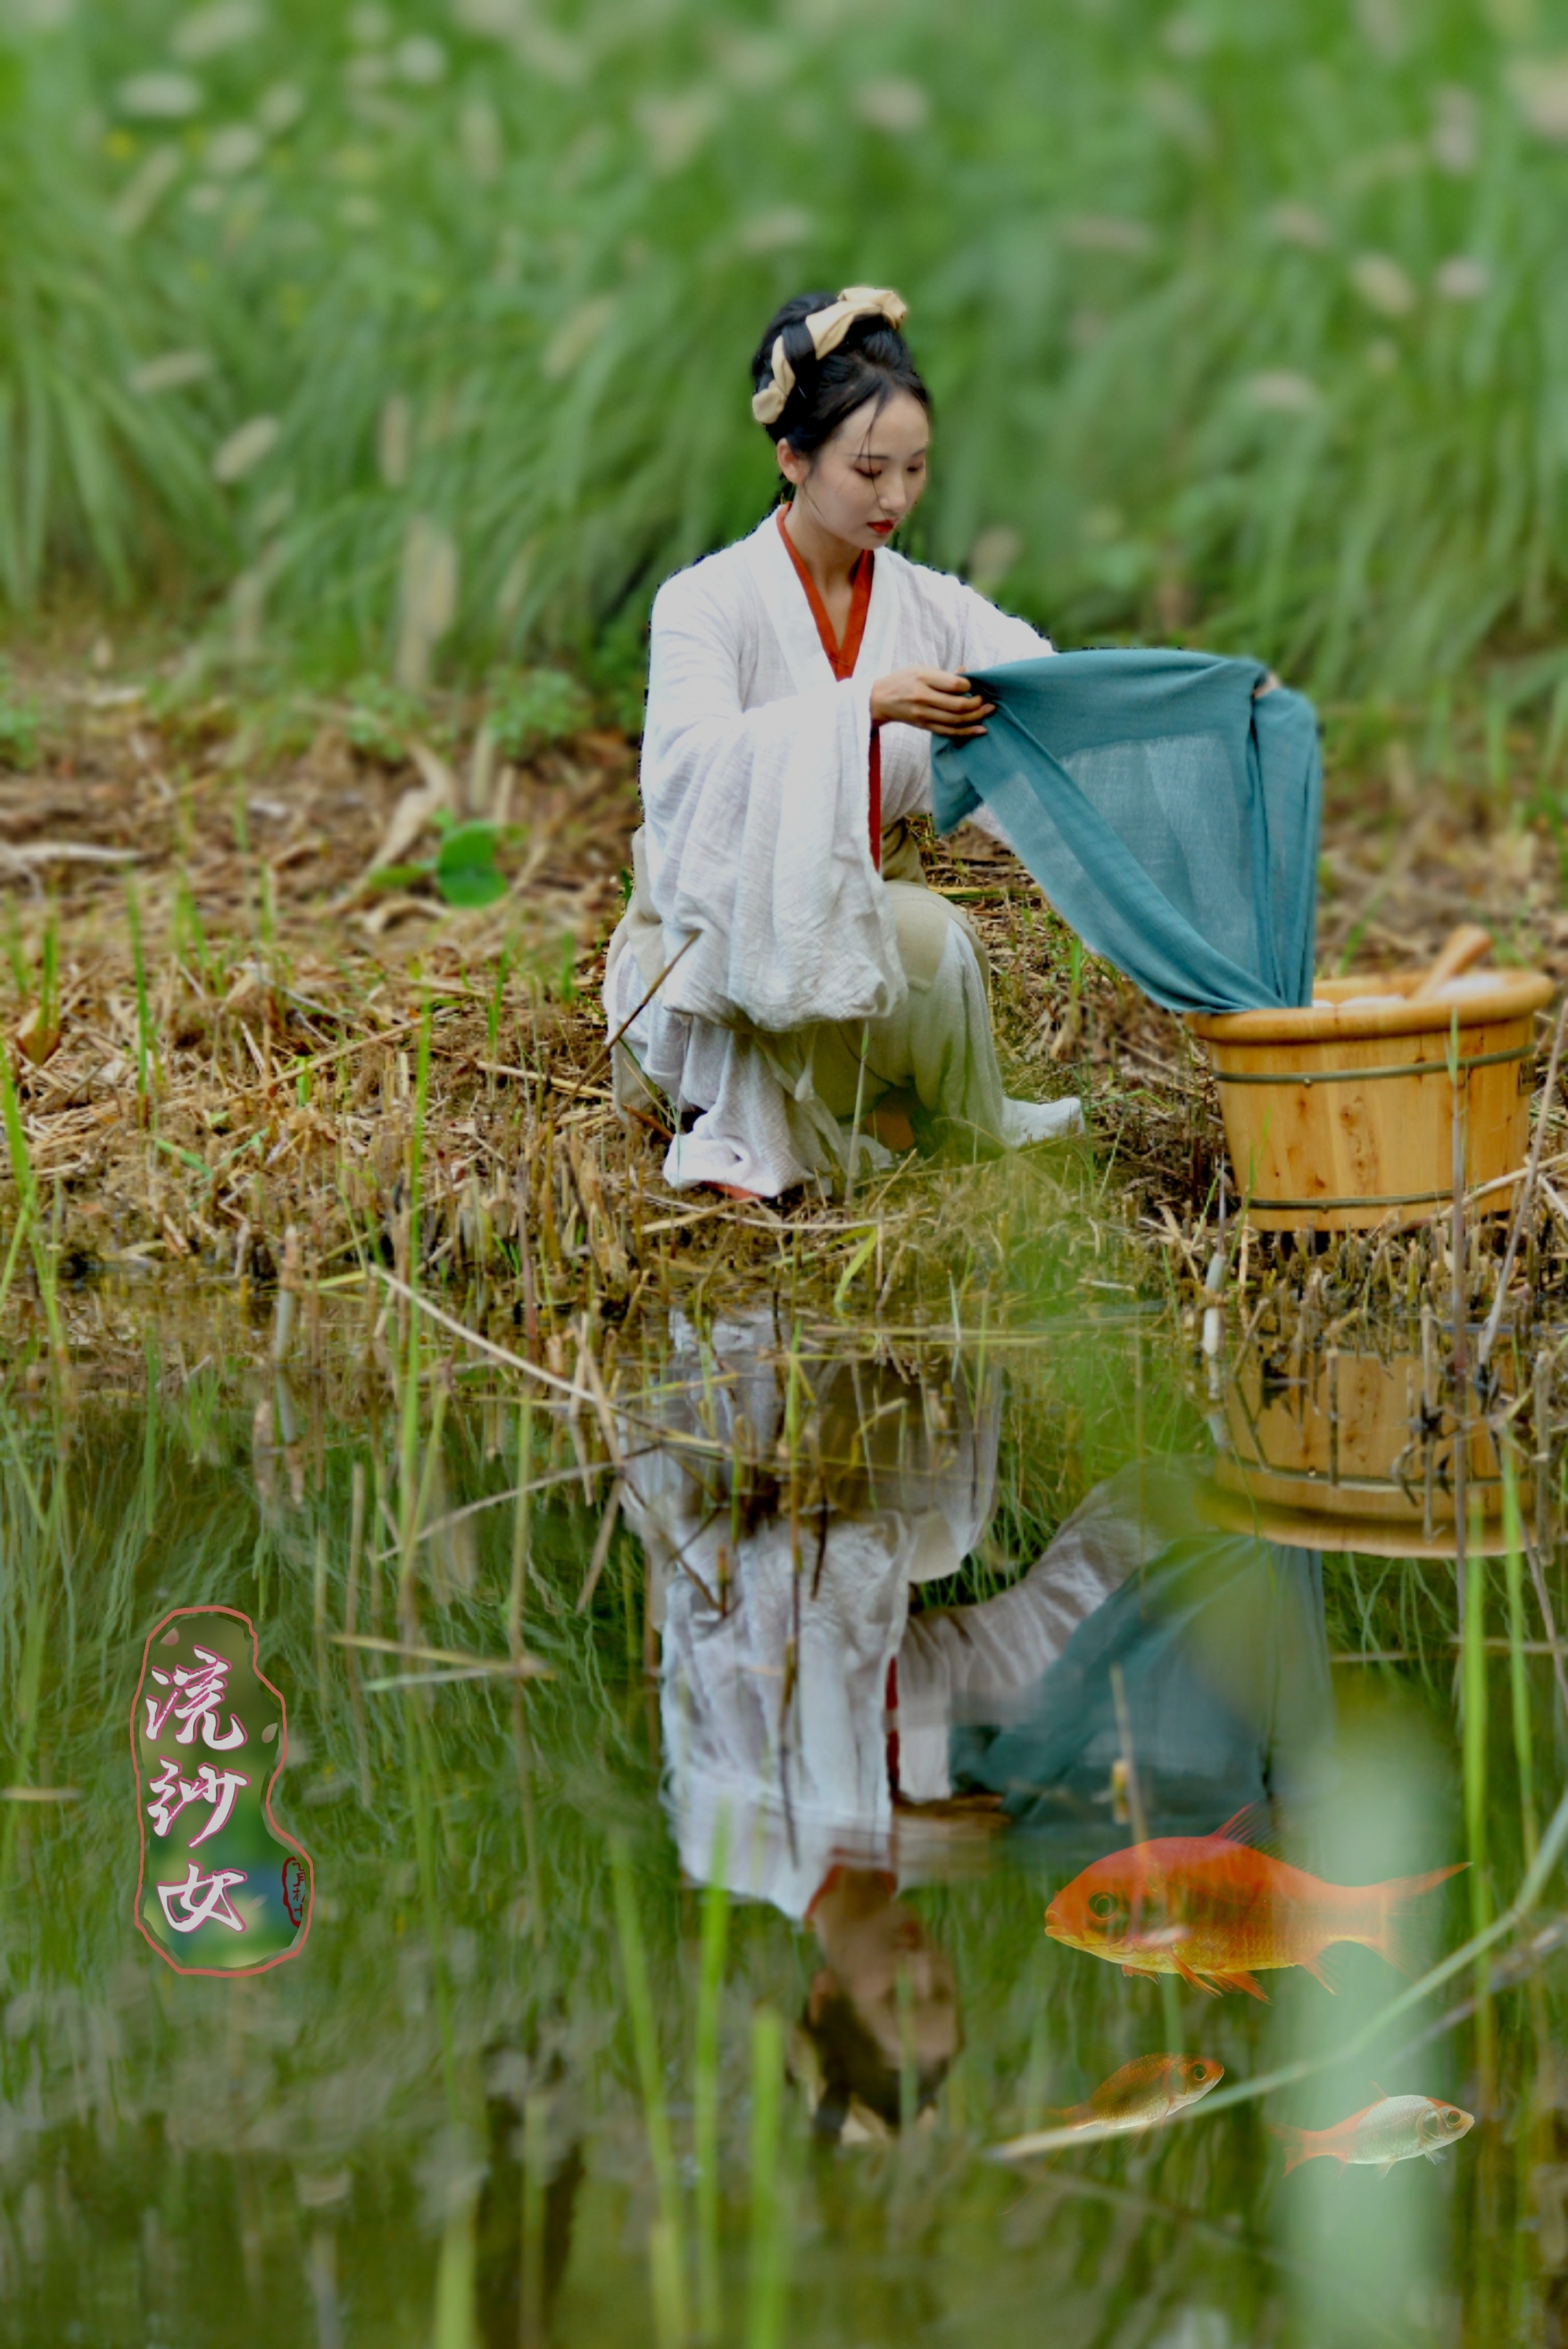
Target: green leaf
[(466, 872)]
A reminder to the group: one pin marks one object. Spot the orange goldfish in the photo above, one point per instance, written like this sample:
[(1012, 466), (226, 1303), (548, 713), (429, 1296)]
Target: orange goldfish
[(1217, 1911), (1139, 2096), (1396, 2129)]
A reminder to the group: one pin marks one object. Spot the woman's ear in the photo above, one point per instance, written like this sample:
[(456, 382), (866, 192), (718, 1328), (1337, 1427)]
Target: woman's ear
[(792, 464)]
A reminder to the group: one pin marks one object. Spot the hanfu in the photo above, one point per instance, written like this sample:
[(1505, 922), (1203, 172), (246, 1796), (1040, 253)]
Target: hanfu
[(782, 964)]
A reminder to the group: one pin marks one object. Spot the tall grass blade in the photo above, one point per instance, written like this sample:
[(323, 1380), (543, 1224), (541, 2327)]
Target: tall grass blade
[(1518, 1671), (665, 2239), (23, 1176), (765, 2301), (705, 2091)]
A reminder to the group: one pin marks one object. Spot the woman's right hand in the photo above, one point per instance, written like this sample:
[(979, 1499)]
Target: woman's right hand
[(929, 698)]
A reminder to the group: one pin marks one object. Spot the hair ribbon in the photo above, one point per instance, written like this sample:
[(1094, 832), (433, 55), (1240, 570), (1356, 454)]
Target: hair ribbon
[(828, 329)]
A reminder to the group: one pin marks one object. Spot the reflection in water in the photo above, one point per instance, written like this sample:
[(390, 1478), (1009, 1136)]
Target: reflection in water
[(1217, 1643), (528, 2202), (881, 2024), (800, 1705), (1396, 2128), (436, 2127), (1216, 1911), (810, 1719)]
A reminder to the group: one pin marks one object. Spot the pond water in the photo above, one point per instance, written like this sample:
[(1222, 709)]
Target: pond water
[(686, 1988)]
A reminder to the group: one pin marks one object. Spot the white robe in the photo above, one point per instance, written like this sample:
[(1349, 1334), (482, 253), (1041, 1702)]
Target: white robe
[(774, 1712), (756, 855)]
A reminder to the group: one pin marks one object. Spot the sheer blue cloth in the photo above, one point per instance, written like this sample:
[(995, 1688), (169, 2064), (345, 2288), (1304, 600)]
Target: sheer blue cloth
[(1223, 1656), (1169, 811)]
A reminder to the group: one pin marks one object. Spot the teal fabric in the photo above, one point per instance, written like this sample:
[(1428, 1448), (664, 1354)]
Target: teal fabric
[(1171, 817), (1222, 1650)]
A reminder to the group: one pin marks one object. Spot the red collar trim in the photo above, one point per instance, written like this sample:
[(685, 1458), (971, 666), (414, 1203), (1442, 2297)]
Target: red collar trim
[(842, 657)]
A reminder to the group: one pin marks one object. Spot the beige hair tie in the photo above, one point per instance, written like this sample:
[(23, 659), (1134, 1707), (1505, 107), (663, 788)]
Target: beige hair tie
[(828, 329)]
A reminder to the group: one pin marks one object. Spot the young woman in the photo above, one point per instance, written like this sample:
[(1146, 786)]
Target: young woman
[(782, 971)]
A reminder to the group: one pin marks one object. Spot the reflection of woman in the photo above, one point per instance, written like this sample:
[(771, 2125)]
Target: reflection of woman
[(881, 2021), (804, 1709), (795, 680)]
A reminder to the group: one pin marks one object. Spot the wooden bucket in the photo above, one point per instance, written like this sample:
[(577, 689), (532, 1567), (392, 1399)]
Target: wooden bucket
[(1339, 1116)]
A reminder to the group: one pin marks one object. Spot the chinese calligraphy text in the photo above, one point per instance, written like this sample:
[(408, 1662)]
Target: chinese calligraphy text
[(222, 1888)]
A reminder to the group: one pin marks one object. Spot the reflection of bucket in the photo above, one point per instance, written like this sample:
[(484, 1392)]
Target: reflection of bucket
[(1340, 1116), (1347, 1445), (1368, 1537)]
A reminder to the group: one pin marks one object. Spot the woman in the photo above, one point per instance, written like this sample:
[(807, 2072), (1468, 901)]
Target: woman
[(782, 971)]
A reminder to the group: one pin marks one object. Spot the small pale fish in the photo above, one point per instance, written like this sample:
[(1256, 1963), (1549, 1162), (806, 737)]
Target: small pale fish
[(1142, 2095), (1396, 2128)]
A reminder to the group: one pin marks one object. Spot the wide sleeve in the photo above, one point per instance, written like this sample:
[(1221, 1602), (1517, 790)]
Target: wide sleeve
[(991, 637), (975, 1663), (759, 866)]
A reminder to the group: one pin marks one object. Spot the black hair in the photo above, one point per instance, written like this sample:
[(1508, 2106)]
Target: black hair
[(854, 2069), (872, 363)]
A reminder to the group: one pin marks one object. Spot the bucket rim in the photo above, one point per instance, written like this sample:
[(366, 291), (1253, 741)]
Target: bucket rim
[(1515, 995)]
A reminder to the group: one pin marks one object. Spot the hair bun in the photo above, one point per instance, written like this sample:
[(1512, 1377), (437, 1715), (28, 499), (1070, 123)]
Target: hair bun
[(801, 340)]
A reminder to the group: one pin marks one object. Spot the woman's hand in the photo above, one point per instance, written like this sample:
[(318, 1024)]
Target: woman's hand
[(932, 698)]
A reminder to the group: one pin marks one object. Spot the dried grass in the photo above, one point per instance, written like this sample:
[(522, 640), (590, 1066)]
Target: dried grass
[(244, 1110)]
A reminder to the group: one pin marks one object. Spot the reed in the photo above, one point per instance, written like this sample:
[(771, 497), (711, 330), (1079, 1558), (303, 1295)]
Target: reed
[(705, 2096), (144, 1045), (1272, 315), (1473, 1678), (1518, 1664), (666, 2247), (30, 1218), (765, 2305)]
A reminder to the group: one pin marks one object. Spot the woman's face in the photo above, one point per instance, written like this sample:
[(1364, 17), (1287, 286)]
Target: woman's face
[(862, 482), (870, 1940)]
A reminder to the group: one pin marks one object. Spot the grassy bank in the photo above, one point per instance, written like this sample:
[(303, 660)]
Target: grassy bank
[(252, 1042)]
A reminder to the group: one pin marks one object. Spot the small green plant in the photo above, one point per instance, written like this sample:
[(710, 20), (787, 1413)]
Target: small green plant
[(464, 868), (536, 707)]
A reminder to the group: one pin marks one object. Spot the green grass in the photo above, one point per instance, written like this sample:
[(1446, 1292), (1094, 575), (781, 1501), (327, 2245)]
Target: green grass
[(417, 335)]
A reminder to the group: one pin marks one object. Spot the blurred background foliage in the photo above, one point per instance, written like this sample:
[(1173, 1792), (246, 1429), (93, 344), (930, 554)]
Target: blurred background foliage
[(418, 333)]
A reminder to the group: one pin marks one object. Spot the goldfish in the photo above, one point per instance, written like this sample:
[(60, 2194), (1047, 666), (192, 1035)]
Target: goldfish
[(1140, 2096), (1144, 2093), (1395, 2129), (1218, 1910)]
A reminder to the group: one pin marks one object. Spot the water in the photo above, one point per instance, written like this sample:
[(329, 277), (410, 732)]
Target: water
[(685, 1993)]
